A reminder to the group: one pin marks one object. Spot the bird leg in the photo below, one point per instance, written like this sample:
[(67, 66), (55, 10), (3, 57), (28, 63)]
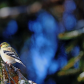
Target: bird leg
[(8, 63)]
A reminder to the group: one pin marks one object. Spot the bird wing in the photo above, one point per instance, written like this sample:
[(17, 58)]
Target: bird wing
[(11, 52)]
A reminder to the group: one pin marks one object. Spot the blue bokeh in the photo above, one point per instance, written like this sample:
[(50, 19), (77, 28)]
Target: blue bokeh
[(35, 26), (61, 27), (75, 51), (44, 44), (11, 28), (48, 22), (44, 21), (54, 66), (69, 21), (70, 6), (62, 61)]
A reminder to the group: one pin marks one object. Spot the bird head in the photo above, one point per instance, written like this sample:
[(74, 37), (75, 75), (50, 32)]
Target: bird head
[(4, 45)]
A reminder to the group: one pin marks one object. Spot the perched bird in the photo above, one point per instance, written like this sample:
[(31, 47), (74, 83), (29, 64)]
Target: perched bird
[(9, 55)]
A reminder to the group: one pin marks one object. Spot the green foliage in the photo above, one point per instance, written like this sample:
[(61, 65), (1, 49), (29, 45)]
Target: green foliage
[(66, 70), (75, 37)]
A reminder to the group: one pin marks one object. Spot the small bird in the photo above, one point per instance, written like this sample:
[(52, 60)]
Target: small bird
[(9, 55)]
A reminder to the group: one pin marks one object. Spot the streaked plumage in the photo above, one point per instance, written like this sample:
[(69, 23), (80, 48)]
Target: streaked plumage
[(8, 54)]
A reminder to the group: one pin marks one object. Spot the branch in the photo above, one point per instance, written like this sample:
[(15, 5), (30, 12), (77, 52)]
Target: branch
[(12, 75)]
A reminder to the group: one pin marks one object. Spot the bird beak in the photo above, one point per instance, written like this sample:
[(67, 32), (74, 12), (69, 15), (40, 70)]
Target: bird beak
[(0, 45)]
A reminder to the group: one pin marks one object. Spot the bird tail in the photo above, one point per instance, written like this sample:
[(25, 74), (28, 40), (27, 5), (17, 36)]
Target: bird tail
[(20, 62)]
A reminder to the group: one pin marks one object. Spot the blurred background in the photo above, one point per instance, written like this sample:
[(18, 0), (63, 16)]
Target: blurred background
[(48, 36)]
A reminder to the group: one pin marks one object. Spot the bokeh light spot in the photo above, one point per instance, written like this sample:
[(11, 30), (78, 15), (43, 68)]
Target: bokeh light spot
[(69, 21), (53, 67), (69, 5), (35, 26), (12, 27), (48, 22)]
